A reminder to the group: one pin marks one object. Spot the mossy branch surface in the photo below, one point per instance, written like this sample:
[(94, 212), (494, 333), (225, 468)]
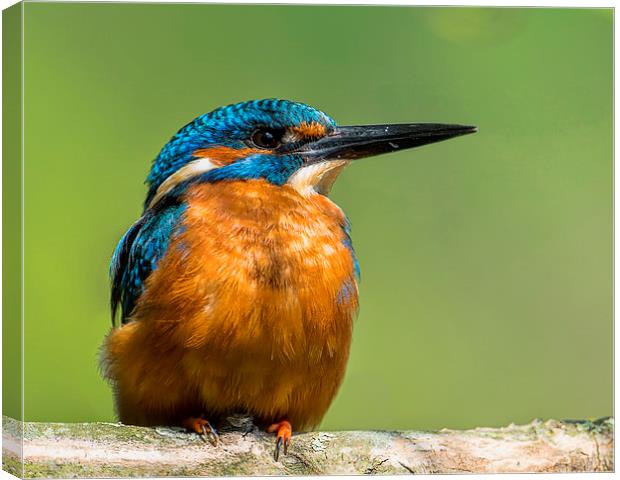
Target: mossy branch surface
[(69, 450)]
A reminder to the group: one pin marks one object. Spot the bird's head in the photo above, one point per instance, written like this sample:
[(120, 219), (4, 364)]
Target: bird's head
[(280, 141)]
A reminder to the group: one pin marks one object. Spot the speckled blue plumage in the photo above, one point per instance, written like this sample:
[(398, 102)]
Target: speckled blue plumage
[(349, 243), (228, 126), (138, 252)]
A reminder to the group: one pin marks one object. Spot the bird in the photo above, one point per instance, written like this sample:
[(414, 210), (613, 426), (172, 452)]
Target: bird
[(237, 288)]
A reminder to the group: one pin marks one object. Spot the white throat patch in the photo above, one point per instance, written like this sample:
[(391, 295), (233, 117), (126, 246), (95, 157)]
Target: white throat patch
[(317, 178)]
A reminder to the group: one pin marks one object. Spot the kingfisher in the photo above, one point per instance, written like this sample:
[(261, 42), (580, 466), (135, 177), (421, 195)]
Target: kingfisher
[(236, 289)]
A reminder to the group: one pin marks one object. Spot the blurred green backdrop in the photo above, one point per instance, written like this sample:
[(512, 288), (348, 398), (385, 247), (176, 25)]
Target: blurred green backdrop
[(486, 293)]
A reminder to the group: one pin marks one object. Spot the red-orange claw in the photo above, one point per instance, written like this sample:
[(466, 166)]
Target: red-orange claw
[(203, 428), (284, 432)]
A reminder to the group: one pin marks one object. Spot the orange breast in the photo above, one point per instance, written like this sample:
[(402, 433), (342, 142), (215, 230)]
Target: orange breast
[(255, 301)]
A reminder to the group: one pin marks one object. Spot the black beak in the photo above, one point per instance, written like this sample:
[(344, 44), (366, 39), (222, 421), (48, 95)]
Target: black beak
[(351, 143)]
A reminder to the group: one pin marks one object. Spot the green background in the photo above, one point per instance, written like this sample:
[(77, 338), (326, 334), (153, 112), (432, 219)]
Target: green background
[(11, 212), (486, 293)]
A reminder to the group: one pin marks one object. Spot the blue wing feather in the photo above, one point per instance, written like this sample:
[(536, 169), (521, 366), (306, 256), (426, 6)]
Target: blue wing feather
[(138, 253), (348, 241), (349, 288)]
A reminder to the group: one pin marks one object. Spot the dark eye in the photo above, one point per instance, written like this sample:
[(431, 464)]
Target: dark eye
[(267, 137)]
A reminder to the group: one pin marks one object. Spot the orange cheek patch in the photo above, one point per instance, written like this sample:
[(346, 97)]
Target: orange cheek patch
[(309, 130), (226, 155)]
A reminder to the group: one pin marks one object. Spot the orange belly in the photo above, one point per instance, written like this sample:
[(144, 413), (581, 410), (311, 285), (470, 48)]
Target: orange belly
[(250, 310)]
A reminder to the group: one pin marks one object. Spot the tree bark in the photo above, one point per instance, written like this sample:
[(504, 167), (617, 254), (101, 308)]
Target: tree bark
[(114, 450)]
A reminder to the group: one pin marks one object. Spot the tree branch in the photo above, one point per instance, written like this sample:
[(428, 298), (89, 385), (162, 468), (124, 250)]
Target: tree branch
[(114, 450)]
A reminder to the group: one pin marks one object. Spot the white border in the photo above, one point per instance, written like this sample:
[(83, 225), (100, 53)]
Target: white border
[(555, 4)]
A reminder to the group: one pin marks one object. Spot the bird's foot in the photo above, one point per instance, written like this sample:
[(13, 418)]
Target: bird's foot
[(284, 432), (203, 428)]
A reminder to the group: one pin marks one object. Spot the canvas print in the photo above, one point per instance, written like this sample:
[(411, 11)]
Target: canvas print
[(245, 240)]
